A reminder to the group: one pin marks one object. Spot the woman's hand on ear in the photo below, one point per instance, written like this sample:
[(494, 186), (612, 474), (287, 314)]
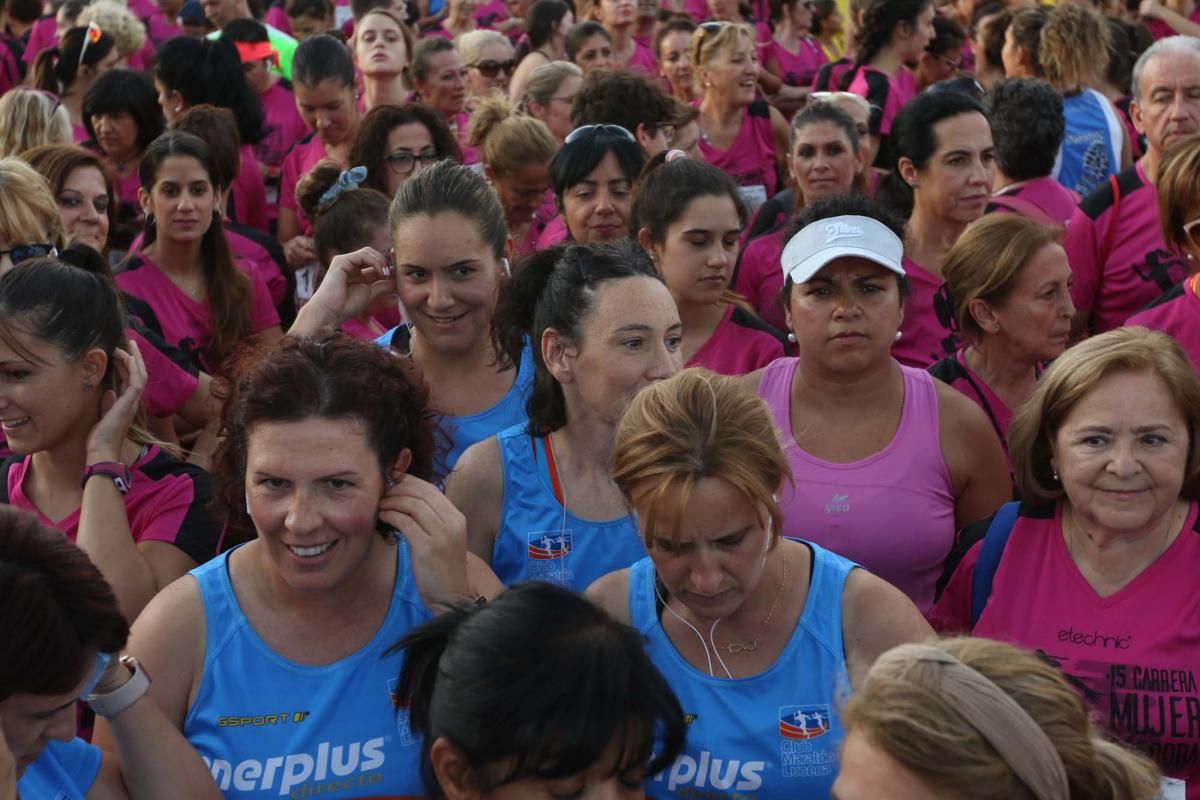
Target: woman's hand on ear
[(119, 407), (436, 532), (351, 284)]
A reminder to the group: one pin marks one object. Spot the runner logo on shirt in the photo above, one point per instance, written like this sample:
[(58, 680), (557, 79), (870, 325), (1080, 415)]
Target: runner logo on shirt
[(548, 545), (799, 755), (1161, 268), (803, 722)]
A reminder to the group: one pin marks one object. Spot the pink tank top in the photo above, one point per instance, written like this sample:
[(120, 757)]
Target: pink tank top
[(750, 159), (893, 511), (1134, 655)]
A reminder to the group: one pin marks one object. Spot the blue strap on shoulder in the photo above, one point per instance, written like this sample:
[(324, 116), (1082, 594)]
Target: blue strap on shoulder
[(989, 557)]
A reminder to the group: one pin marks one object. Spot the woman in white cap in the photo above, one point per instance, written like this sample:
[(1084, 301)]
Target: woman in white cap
[(887, 463)]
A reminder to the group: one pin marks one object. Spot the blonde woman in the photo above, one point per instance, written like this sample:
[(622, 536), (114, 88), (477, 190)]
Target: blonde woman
[(1009, 287), (973, 718), (549, 93), (134, 49), (488, 56), (757, 634), (29, 223), (516, 152), (29, 118)]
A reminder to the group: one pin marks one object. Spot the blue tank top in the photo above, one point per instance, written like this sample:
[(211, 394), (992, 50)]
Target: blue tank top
[(773, 736), (537, 542), (466, 431), (1092, 142), (268, 727)]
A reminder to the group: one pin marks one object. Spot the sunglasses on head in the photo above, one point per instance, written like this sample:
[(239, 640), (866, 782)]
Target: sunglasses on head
[(490, 67), (595, 130), (23, 252)]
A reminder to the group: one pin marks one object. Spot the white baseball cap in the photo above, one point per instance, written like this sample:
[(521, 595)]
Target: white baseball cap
[(838, 237)]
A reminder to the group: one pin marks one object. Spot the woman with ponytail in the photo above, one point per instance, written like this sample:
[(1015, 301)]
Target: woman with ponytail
[(348, 216), (590, 738), (689, 218), (516, 151), (219, 81), (980, 719), (944, 165), (72, 399), (69, 71), (206, 303), (603, 326), (893, 33)]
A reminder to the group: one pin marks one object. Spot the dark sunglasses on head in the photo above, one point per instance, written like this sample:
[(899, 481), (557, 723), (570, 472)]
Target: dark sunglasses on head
[(23, 252), (594, 130), (490, 67)]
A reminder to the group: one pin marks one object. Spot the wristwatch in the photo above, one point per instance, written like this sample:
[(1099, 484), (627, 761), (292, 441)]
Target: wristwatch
[(110, 704), (120, 474)]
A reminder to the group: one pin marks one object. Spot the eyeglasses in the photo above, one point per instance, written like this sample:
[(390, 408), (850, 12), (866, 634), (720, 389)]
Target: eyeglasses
[(490, 67), (713, 26), (402, 162), (593, 130), (23, 252), (1189, 230), (954, 64)]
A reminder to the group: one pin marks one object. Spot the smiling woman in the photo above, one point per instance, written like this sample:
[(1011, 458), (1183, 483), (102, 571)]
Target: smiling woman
[(537, 497), (326, 461), (1102, 554)]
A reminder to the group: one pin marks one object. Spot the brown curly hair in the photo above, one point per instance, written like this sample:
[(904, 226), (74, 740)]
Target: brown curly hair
[(331, 377)]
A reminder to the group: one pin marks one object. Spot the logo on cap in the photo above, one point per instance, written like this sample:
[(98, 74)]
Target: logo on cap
[(841, 230)]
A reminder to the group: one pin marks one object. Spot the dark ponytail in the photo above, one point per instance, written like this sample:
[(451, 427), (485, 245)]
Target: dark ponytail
[(913, 137), (210, 71), (568, 681), (556, 289), (57, 68), (880, 20)]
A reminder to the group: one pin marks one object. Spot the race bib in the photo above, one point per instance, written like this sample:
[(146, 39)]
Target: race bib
[(753, 196), (1173, 789)]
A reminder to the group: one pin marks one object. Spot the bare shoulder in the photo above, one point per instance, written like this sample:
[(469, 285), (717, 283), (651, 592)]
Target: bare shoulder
[(876, 617), (611, 593), (753, 379), (170, 638), (958, 413), (478, 470)]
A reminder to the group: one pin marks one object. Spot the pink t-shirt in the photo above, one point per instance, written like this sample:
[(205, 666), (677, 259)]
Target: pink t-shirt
[(264, 257), (555, 233), (168, 502), (740, 343), (1161, 30), (42, 36), (1176, 313), (283, 126), (1119, 265), (887, 94), (797, 69), (304, 156), (925, 339), (161, 30), (893, 511), (277, 18), (1132, 655), (488, 14), (750, 159), (168, 385), (643, 60), (127, 191), (249, 194), (461, 126), (1042, 199), (955, 371), (11, 68), (367, 331), (79, 133), (829, 77), (759, 276), (187, 324)]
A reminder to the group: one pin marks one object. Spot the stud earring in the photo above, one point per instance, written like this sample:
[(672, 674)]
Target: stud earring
[(899, 335), (792, 338), (88, 386)]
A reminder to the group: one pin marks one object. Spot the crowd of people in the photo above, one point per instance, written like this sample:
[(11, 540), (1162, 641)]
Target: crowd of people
[(600, 398)]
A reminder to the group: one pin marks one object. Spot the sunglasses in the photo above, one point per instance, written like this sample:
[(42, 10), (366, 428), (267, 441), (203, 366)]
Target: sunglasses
[(403, 162), (596, 130), (1189, 230), (490, 68), (23, 252)]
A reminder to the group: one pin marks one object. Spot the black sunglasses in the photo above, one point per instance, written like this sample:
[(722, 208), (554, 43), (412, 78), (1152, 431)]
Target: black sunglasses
[(490, 68), (598, 129), (23, 252)]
